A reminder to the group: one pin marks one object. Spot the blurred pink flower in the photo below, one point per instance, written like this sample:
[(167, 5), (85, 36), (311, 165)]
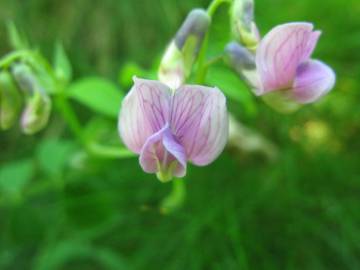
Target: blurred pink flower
[(168, 128), (283, 64)]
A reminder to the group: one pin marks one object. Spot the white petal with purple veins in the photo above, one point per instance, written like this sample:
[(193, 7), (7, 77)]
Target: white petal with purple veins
[(144, 111), (280, 53), (199, 122), (313, 80)]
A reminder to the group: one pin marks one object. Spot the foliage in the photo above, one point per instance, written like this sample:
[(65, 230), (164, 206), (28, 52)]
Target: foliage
[(63, 208)]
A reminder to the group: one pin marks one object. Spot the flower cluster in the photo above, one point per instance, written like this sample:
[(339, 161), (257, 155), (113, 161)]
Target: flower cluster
[(20, 85), (168, 123)]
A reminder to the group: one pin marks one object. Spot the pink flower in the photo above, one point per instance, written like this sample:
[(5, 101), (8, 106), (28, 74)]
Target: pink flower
[(283, 64), (168, 128)]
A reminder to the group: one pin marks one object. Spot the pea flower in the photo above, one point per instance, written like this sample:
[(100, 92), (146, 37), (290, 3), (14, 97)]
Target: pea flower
[(168, 128), (284, 73)]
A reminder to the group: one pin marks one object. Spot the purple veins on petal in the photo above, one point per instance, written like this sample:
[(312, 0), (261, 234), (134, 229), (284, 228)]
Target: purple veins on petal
[(199, 121), (144, 111), (283, 64), (281, 51)]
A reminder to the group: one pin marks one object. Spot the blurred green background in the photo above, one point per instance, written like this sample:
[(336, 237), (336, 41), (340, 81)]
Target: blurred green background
[(60, 209)]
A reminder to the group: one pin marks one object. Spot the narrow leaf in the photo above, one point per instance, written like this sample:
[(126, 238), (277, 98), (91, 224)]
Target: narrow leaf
[(17, 40), (62, 65)]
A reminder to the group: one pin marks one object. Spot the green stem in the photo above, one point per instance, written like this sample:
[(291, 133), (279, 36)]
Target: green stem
[(214, 5), (93, 148), (176, 198), (109, 152), (8, 59), (202, 65), (70, 117), (214, 60), (202, 69)]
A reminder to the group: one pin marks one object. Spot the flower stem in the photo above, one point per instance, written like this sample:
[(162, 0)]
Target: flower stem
[(93, 148), (110, 152), (202, 65), (70, 118), (8, 59), (202, 69), (176, 198), (214, 5), (214, 60)]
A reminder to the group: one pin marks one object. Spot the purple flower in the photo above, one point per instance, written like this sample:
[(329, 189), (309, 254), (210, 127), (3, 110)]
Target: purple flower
[(284, 65), (168, 128)]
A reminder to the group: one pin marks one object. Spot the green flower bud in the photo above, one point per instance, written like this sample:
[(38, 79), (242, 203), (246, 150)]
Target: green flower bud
[(10, 100), (182, 52), (192, 32), (172, 67), (242, 22), (36, 113), (38, 104)]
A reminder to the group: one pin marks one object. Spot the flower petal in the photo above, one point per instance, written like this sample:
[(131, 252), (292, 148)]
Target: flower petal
[(280, 53), (313, 80), (177, 152), (164, 155), (199, 122), (144, 111)]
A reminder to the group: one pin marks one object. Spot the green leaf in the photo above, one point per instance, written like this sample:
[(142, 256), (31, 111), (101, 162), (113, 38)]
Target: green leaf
[(131, 69), (98, 94), (14, 176), (17, 40), (53, 155), (232, 86), (62, 65)]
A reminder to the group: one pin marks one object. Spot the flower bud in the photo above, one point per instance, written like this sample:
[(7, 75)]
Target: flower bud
[(239, 57), (242, 22), (36, 113), (192, 32), (38, 104), (10, 100), (181, 54), (172, 67), (243, 62)]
